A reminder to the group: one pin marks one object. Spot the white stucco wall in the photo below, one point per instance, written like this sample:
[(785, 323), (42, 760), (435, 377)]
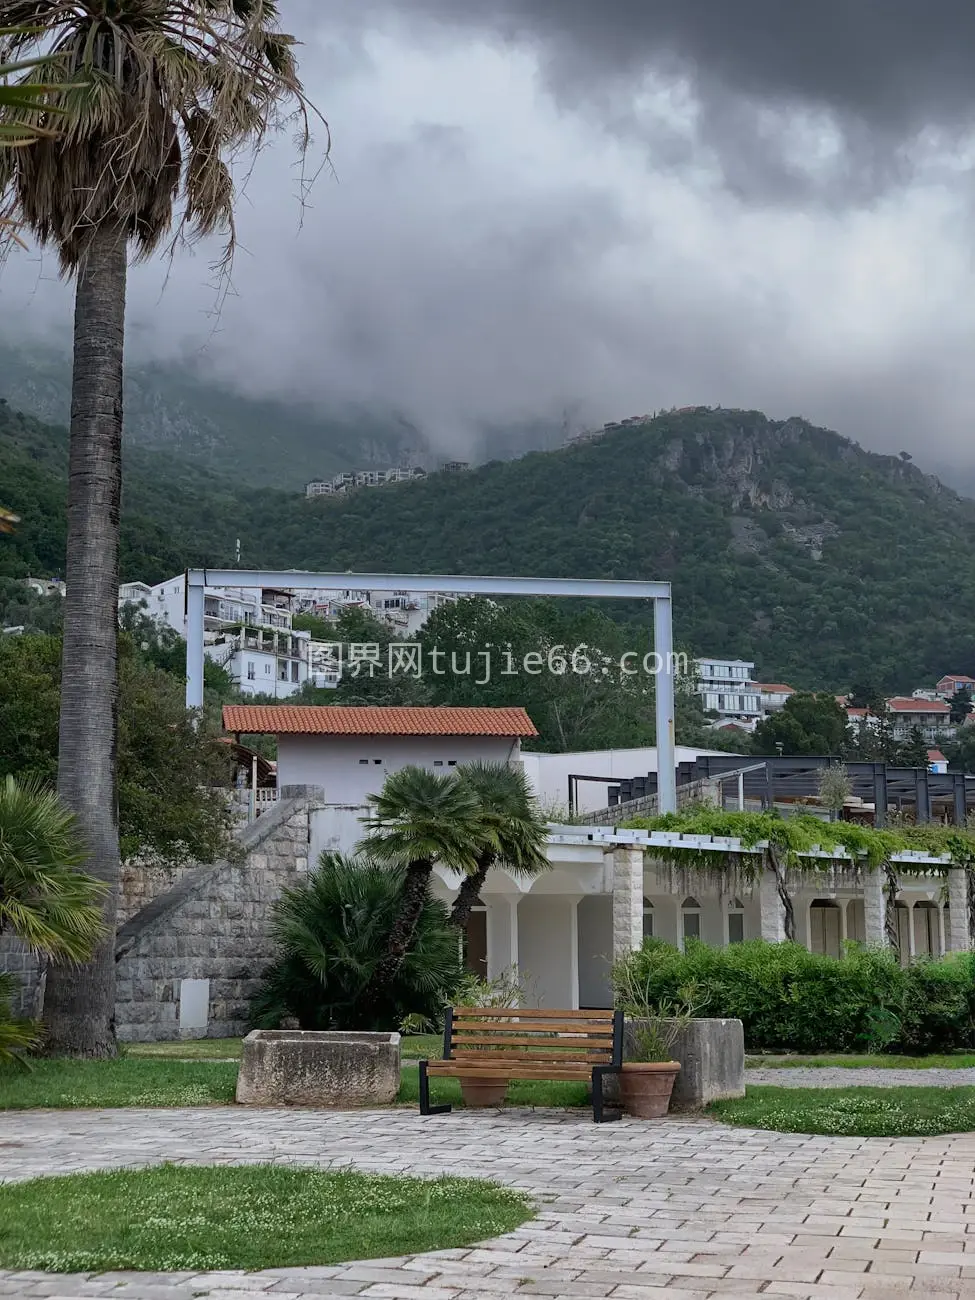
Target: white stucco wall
[(349, 768), (548, 950), (549, 773)]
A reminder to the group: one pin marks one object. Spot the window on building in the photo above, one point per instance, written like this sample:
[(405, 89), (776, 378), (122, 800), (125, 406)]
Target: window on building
[(438, 762), (294, 672), (363, 762), (691, 918), (736, 921), (451, 762), (267, 670), (251, 672), (647, 919), (282, 672)]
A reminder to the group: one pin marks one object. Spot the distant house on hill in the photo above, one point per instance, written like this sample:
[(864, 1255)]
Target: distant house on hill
[(954, 682)]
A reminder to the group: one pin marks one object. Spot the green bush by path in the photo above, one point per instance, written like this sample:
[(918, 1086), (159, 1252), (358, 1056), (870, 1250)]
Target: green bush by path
[(175, 1218), (789, 999), (853, 1112), (126, 1081)]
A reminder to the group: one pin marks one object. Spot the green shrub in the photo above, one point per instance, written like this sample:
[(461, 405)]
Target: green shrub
[(789, 999), (331, 931), (936, 1007)]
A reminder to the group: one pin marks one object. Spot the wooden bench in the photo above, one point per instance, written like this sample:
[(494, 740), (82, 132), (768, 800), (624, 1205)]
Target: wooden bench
[(514, 1043)]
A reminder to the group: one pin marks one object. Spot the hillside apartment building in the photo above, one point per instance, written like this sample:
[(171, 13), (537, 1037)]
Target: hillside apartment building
[(604, 890)]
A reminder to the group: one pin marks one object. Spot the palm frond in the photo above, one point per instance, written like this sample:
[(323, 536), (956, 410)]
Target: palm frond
[(45, 901), (146, 110)]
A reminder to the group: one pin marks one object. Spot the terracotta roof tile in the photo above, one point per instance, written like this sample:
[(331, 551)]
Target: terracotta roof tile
[(775, 688), (357, 720), (901, 704)]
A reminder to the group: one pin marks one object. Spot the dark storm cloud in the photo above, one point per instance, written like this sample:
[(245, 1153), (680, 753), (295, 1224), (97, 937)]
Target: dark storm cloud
[(897, 78)]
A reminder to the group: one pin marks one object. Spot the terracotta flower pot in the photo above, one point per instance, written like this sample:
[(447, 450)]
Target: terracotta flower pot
[(645, 1087), (483, 1092)]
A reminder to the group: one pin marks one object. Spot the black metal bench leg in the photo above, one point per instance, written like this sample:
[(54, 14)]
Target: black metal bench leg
[(425, 1107), (602, 1112)]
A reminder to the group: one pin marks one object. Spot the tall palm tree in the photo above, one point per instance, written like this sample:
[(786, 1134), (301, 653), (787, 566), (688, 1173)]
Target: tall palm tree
[(419, 818), (156, 99), (517, 833)]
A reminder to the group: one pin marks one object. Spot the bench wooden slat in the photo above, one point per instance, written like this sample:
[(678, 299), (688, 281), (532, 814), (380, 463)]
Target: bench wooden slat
[(516, 1040), (536, 1013), (553, 1027), (553, 1045), (597, 1054), (454, 1069)]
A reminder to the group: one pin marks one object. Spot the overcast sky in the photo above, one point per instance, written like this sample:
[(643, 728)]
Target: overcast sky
[(606, 208)]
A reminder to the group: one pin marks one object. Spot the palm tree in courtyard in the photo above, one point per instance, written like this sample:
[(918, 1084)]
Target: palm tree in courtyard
[(513, 832), (154, 101), (45, 901), (419, 818)]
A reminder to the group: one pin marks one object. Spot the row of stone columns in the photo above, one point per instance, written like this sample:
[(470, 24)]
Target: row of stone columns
[(628, 907)]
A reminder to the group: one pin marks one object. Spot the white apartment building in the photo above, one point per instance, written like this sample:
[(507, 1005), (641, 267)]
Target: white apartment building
[(932, 716), (728, 689), (340, 484), (405, 611), (247, 631)]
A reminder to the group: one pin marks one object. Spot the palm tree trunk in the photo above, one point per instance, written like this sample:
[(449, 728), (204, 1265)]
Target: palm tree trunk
[(79, 1001), (469, 894), (415, 892)]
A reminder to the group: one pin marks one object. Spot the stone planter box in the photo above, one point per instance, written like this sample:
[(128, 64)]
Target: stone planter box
[(335, 1071), (711, 1054)]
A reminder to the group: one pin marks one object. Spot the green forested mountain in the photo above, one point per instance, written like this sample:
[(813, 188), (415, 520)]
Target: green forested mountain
[(173, 409), (785, 543)]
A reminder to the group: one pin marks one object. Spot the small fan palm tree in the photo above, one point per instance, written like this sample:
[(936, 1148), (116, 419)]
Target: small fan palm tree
[(45, 901), (152, 101), (419, 818), (332, 931), (516, 830)]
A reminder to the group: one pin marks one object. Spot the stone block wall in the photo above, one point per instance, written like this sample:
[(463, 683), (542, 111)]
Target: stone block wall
[(16, 960), (190, 961)]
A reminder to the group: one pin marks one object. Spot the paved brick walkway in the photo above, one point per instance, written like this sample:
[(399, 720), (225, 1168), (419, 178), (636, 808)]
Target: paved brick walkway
[(676, 1209), (802, 1076)]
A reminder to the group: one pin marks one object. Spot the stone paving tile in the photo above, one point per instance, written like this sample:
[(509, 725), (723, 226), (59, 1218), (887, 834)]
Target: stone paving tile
[(680, 1208)]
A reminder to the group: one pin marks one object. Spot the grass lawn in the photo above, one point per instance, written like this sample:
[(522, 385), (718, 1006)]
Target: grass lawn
[(176, 1218), (126, 1081), (161, 1081), (853, 1112), (954, 1061), (189, 1049)]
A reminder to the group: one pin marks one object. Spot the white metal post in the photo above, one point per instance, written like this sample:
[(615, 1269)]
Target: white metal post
[(195, 591), (663, 644)]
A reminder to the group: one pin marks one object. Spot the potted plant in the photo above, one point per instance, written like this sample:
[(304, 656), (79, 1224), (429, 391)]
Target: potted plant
[(648, 1077), (505, 990)]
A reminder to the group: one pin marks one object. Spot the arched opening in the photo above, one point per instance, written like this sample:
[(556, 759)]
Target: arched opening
[(475, 943), (690, 919), (647, 919), (736, 921)]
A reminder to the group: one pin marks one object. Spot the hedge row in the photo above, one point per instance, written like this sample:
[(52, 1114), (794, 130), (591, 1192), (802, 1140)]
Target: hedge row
[(793, 1000)]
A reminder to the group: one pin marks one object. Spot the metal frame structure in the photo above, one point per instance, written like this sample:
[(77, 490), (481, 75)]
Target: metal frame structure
[(197, 580), (796, 779)]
